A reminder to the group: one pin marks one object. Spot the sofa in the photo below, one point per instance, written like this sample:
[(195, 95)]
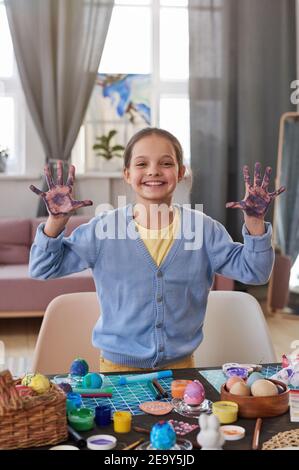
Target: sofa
[(21, 296)]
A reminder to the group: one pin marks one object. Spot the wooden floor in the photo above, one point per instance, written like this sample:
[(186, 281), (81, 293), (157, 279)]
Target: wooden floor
[(19, 334)]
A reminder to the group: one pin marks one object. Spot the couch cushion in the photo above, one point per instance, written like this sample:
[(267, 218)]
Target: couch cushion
[(21, 293), (73, 223), (14, 240)]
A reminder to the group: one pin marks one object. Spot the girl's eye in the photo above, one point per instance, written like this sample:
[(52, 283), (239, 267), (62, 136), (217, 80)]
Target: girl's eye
[(167, 163), (140, 164)]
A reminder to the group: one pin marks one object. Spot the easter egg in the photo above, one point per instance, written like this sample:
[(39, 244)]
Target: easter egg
[(253, 378), (240, 388), (79, 367), (233, 380), (92, 380), (162, 436), (39, 383), (24, 391), (263, 388), (27, 379), (66, 387), (194, 393)]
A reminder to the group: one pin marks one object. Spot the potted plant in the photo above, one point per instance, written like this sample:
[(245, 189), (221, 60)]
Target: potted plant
[(4, 152), (108, 151)]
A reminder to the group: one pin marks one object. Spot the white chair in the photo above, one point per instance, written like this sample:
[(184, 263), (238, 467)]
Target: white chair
[(235, 330), (66, 334)]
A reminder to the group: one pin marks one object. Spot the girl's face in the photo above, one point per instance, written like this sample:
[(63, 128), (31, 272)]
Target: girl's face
[(154, 171)]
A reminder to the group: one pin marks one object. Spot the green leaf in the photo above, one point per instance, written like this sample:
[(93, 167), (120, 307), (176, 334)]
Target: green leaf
[(117, 147), (99, 146), (111, 134), (105, 155)]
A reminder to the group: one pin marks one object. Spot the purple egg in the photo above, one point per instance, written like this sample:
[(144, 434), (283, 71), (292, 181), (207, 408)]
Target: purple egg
[(66, 387), (194, 393)]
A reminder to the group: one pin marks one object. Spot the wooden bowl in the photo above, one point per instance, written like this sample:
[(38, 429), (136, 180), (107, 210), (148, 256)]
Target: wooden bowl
[(260, 407)]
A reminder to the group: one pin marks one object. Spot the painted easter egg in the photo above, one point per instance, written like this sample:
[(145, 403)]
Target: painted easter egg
[(240, 388), (79, 367), (40, 383), (264, 388), (233, 380), (92, 380), (253, 378), (194, 393), (162, 436)]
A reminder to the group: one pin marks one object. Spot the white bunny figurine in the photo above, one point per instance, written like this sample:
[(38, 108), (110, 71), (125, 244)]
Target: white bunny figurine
[(210, 436)]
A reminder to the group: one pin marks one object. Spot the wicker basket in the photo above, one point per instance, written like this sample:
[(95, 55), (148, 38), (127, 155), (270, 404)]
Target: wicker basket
[(30, 421)]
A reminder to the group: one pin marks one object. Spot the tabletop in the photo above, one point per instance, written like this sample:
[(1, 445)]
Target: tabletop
[(270, 426)]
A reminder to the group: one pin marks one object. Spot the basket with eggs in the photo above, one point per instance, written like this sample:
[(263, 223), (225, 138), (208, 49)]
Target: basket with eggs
[(256, 396), (32, 412)]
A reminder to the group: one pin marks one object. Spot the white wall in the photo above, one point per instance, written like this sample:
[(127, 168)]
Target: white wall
[(17, 200)]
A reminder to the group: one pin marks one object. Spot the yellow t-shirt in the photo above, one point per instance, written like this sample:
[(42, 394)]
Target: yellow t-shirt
[(159, 241)]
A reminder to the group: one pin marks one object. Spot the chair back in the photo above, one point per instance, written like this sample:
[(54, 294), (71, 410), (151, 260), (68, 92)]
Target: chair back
[(235, 330), (66, 334)]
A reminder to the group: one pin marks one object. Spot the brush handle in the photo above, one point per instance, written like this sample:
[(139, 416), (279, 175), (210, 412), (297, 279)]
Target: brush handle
[(256, 435)]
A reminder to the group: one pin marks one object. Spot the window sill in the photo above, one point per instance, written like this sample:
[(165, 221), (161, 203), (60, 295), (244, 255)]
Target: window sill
[(11, 176), (79, 176)]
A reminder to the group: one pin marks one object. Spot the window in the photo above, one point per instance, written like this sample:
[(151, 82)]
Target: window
[(11, 126), (144, 37)]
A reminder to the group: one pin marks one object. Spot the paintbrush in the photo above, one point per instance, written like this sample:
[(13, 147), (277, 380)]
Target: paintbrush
[(256, 435), (134, 444), (179, 441)]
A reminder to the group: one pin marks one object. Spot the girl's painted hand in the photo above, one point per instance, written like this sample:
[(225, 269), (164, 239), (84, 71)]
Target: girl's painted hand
[(257, 198), (59, 199)]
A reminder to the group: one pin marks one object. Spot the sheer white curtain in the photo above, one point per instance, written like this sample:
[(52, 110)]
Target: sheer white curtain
[(58, 46)]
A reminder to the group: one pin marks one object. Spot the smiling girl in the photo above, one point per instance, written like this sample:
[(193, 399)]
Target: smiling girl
[(152, 287)]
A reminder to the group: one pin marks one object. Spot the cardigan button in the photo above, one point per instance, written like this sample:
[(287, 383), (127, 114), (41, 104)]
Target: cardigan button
[(159, 274), (159, 325), (161, 348), (159, 299)]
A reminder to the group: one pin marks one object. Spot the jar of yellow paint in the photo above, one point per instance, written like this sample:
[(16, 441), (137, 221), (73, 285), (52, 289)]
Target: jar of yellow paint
[(122, 421), (226, 411)]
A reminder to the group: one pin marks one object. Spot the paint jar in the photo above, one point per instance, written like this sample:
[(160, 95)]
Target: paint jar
[(81, 419), (103, 415), (73, 401), (178, 388), (122, 421), (226, 411)]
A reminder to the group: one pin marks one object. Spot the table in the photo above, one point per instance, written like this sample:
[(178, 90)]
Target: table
[(270, 426)]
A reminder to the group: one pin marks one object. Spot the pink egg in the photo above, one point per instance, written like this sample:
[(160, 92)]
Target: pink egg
[(232, 381), (194, 393)]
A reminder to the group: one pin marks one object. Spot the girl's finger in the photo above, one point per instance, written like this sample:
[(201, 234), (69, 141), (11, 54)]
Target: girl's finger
[(278, 192), (36, 190), (78, 204), (246, 176), (71, 176), (49, 177), (266, 179), (257, 175), (234, 205), (59, 173)]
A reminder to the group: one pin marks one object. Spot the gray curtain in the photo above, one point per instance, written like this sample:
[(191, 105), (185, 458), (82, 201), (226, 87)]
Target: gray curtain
[(242, 61), (58, 46), (287, 215)]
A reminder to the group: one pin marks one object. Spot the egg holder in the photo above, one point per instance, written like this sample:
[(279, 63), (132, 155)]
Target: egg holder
[(260, 407), (184, 444), (191, 411)]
